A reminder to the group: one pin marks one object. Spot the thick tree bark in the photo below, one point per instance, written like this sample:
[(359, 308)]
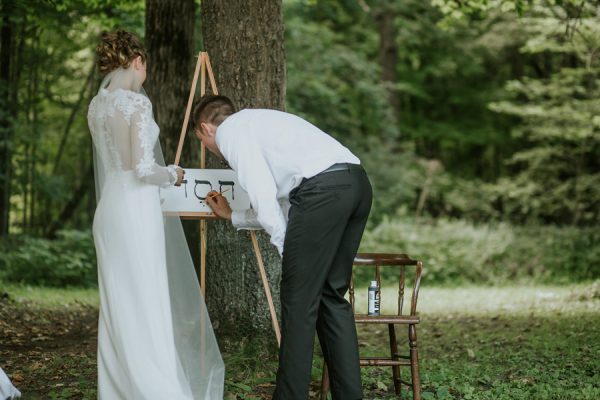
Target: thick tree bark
[(245, 42), (169, 41), (7, 111)]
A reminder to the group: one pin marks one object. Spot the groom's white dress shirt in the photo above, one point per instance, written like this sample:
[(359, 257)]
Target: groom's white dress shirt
[(271, 152)]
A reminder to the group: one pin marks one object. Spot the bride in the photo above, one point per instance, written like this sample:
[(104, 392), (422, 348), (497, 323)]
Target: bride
[(155, 340)]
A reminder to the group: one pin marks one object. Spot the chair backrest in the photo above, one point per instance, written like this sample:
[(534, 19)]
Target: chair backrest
[(401, 261)]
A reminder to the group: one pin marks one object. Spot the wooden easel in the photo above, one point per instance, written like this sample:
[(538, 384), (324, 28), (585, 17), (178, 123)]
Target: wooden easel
[(203, 67)]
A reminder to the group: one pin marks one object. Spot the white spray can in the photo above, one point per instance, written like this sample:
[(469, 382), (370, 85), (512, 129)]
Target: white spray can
[(373, 299)]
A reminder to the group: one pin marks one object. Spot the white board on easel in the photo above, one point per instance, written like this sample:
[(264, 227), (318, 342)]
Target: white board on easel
[(189, 198)]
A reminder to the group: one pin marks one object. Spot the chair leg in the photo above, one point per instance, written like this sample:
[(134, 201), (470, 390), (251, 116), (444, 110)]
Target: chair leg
[(414, 362), (393, 356), (324, 381)]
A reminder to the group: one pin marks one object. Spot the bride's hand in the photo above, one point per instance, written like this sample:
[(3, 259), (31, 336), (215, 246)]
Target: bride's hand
[(218, 204), (180, 176)]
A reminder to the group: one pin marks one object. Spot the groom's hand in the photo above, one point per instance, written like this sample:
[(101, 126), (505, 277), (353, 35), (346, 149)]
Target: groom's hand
[(218, 204)]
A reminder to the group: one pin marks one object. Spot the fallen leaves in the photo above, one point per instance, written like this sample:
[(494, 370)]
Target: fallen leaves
[(46, 352)]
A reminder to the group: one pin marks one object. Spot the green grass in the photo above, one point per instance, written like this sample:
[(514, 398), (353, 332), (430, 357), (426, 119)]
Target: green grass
[(497, 342), (48, 297), (526, 342), (523, 342)]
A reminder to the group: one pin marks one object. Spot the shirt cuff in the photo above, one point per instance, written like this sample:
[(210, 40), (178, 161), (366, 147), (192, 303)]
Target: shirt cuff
[(245, 219)]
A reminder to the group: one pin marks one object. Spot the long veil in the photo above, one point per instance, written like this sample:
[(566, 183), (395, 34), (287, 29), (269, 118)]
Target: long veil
[(200, 366)]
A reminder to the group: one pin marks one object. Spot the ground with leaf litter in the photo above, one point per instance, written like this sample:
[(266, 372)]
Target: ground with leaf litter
[(548, 352)]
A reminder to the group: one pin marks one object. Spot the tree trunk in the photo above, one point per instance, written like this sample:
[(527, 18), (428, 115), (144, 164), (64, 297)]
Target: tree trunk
[(388, 51), (74, 112), (245, 42), (71, 206), (7, 114), (169, 41)]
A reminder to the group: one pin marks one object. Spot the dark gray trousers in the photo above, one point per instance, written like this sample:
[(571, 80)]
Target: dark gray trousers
[(325, 226)]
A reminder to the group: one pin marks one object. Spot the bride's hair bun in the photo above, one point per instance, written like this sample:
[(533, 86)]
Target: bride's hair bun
[(117, 49)]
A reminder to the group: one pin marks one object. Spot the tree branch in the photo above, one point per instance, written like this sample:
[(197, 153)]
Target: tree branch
[(71, 119)]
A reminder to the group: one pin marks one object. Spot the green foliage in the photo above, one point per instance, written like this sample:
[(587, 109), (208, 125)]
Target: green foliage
[(334, 82), (460, 252), (70, 260), (539, 162), (447, 77), (479, 8), (54, 66), (396, 176), (557, 172)]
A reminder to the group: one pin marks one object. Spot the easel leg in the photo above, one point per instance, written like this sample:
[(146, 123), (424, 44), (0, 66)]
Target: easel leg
[(203, 365), (203, 258), (263, 275)]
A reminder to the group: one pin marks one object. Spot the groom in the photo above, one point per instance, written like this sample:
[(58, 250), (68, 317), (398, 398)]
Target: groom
[(313, 198)]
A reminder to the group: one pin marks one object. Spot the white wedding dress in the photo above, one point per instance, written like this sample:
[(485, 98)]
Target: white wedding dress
[(155, 340), (7, 390)]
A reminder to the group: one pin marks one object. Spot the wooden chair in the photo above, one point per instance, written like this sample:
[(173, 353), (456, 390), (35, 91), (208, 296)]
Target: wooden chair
[(395, 360)]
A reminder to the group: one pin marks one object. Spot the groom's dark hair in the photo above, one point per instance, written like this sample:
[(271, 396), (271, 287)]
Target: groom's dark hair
[(212, 109)]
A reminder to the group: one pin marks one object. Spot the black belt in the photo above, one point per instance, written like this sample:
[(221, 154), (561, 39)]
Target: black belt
[(342, 167), (333, 168)]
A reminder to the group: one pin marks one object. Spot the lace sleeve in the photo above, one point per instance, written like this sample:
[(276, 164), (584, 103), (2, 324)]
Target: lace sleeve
[(144, 134)]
